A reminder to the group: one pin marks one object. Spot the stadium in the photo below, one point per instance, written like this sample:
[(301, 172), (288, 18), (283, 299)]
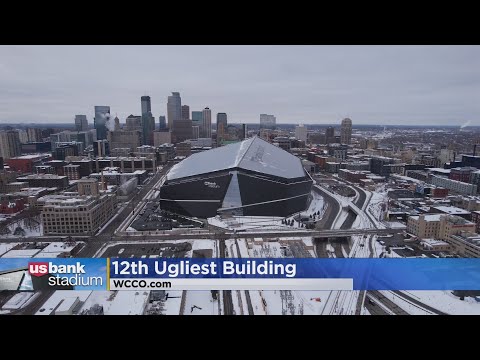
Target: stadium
[(249, 178)]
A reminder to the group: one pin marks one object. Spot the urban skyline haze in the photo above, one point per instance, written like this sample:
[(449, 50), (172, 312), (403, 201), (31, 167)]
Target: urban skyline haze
[(384, 85)]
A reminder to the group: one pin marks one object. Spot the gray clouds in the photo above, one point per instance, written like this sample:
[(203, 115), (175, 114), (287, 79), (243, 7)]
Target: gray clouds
[(309, 84)]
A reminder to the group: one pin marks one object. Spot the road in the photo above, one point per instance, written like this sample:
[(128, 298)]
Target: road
[(109, 232), (397, 310), (418, 303), (331, 212)]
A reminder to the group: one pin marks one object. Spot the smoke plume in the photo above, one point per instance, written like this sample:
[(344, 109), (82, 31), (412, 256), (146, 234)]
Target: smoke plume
[(466, 124)]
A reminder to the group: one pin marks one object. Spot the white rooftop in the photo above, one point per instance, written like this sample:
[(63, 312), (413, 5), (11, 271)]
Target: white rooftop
[(430, 217), (434, 242), (253, 154), (452, 210)]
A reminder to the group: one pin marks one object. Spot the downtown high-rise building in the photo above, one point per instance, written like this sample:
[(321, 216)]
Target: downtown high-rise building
[(301, 133), (174, 109), (267, 121), (197, 120), (10, 145), (185, 112), (162, 123), (346, 131), (221, 125), (148, 121), (133, 122), (330, 135), (102, 115), (34, 135), (116, 123), (81, 123), (206, 129), (146, 104)]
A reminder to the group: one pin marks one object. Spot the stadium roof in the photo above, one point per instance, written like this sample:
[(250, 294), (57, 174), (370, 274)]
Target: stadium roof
[(253, 154)]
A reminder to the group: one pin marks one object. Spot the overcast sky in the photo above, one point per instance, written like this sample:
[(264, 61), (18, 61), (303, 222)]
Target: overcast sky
[(384, 85)]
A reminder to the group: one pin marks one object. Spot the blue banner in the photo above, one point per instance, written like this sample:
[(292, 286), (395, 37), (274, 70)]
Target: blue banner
[(367, 274)]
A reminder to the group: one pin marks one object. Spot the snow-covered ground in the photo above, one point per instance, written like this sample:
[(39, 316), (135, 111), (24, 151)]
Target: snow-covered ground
[(128, 303), (54, 301), (441, 300), (172, 305), (22, 253), (28, 227), (377, 206), (317, 204), (201, 303), (53, 250), (250, 223)]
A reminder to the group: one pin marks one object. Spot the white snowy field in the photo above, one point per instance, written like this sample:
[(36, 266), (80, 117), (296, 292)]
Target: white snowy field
[(54, 301), (441, 300), (29, 227), (317, 204), (128, 303), (201, 303)]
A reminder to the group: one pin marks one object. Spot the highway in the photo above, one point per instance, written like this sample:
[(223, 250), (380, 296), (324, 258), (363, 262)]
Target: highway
[(377, 295), (418, 303), (333, 208)]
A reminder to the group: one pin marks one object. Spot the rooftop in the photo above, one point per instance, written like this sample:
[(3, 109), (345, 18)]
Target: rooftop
[(451, 210), (429, 217), (30, 157), (253, 154)]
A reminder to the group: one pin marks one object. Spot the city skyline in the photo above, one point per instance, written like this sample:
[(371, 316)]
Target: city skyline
[(378, 85)]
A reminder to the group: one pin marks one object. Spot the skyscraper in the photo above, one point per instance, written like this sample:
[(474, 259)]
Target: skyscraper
[(81, 122), (207, 123), (330, 135), (182, 130), (163, 122), (102, 115), (34, 134), (185, 112), (148, 121), (197, 120), (346, 131), (301, 133), (133, 122), (146, 104), (174, 109), (221, 125), (10, 145), (267, 121), (116, 122)]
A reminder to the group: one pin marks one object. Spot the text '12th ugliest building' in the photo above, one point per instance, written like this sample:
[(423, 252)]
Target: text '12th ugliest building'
[(250, 178)]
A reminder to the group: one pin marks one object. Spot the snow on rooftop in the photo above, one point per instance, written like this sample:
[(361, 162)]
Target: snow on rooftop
[(51, 304), (253, 154), (128, 303), (25, 253), (429, 217), (434, 242), (18, 300), (67, 304), (452, 210), (6, 247)]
